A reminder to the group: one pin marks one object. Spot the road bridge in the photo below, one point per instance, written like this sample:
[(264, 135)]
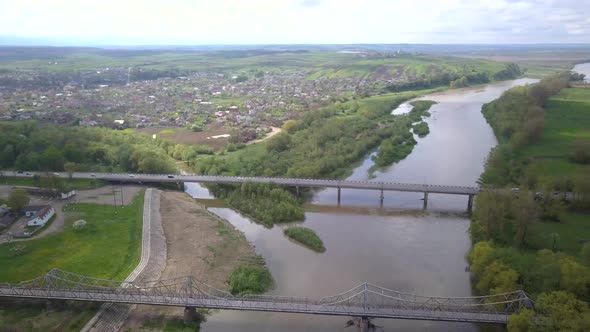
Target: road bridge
[(425, 189), (364, 301)]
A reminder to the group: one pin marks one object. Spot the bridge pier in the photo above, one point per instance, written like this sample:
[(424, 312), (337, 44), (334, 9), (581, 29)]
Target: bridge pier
[(297, 190), (190, 315), (338, 195), (381, 198), (364, 324), (470, 204), (180, 186), (425, 200)]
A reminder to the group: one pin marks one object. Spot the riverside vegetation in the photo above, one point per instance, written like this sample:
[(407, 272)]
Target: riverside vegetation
[(322, 144), (306, 237), (537, 240)]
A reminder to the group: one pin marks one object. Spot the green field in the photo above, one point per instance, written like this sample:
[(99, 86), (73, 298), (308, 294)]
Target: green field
[(571, 230), (319, 64), (567, 120), (108, 247)]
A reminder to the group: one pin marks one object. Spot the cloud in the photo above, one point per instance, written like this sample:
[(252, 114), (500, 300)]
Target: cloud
[(310, 3), (298, 21)]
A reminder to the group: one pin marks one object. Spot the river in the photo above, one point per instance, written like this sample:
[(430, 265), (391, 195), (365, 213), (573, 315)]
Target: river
[(422, 253), (583, 68)]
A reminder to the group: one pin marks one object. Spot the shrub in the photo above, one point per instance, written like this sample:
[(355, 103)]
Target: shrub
[(306, 237)]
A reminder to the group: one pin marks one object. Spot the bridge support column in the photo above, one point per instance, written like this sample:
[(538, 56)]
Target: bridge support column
[(190, 315), (470, 204), (425, 200), (180, 186), (297, 190), (55, 304), (338, 195), (381, 198), (364, 324)]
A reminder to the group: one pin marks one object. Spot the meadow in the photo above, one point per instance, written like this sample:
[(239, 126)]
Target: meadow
[(567, 119), (108, 247)]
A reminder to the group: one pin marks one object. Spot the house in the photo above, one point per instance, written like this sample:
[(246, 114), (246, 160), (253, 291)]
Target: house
[(39, 214), (31, 210)]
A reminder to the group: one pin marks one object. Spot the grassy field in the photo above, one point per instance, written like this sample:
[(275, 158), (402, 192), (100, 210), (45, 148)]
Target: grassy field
[(319, 64), (185, 136), (567, 120), (306, 237), (109, 247), (74, 183), (573, 228)]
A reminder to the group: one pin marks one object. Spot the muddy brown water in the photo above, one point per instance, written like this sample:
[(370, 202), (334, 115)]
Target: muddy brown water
[(417, 253)]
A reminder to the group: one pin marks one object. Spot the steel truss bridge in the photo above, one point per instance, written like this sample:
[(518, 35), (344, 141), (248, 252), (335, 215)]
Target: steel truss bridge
[(364, 301)]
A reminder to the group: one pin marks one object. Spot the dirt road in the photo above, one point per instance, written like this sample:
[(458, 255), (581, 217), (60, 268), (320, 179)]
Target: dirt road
[(197, 243)]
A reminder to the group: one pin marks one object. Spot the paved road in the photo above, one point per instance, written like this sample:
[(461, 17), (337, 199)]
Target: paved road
[(111, 316)]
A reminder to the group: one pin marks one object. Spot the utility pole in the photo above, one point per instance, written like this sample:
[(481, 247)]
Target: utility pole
[(114, 197), (121, 187)]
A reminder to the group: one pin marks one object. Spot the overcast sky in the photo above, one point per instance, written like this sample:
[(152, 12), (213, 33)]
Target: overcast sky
[(92, 22)]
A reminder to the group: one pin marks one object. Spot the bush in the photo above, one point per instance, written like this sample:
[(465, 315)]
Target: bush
[(266, 203), (250, 279), (581, 152), (306, 237), (79, 224), (421, 129)]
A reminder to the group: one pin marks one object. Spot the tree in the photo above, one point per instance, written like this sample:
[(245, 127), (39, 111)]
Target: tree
[(480, 256), (566, 312), (279, 143), (241, 78), (18, 199), (291, 126), (521, 322), (490, 212), (52, 159), (70, 168), (525, 212), (575, 277)]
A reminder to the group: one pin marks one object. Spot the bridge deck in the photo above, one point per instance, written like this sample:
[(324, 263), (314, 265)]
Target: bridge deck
[(365, 300), (317, 183), (266, 306)]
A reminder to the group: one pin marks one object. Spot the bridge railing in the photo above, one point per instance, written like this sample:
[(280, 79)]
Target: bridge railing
[(366, 296)]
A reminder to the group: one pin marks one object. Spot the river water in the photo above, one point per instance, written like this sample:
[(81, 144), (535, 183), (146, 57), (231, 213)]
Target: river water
[(583, 68), (422, 253)]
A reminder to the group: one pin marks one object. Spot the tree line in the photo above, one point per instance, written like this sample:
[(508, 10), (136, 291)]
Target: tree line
[(37, 146), (505, 257), (456, 79)]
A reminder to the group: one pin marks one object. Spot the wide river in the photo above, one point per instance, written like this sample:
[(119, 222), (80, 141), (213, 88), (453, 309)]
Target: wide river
[(422, 253), (583, 68)]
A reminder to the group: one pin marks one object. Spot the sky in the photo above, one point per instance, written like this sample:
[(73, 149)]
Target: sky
[(199, 22)]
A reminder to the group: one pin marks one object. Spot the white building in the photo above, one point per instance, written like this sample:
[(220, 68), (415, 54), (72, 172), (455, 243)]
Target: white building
[(39, 215)]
